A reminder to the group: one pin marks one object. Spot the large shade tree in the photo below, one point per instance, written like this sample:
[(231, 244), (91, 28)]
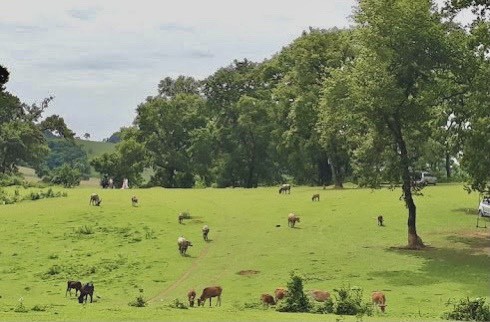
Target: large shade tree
[(22, 128), (389, 93)]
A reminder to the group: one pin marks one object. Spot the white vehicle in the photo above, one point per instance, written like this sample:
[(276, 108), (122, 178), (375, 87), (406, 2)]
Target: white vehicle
[(425, 178), (484, 208)]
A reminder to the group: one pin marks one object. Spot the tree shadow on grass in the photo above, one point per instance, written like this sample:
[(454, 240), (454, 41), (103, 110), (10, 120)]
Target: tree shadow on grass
[(465, 266)]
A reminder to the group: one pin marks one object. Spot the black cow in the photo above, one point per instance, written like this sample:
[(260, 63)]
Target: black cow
[(77, 285), (87, 289)]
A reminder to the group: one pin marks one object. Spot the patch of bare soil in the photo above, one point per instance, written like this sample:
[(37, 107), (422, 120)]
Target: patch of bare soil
[(248, 272), (483, 234)]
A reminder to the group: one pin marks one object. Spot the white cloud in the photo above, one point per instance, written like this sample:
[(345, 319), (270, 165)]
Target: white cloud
[(104, 57)]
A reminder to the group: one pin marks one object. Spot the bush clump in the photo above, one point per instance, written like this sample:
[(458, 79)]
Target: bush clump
[(177, 304), (469, 310), (349, 302), (296, 301), (139, 301)]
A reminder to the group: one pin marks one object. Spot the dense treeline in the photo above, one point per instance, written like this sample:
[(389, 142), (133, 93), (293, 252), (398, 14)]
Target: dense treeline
[(333, 104)]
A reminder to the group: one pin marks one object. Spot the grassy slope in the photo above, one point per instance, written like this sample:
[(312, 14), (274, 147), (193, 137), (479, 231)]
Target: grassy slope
[(337, 242), (95, 149)]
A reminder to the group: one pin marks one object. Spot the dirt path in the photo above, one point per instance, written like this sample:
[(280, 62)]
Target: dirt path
[(183, 277)]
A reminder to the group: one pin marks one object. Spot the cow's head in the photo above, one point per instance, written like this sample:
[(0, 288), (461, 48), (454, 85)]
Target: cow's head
[(382, 307), (97, 202), (80, 299)]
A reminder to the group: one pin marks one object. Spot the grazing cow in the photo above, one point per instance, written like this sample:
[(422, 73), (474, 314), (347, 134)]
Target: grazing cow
[(320, 296), (267, 299), (205, 232), (380, 220), (292, 219), (94, 200), (285, 188), (87, 289), (183, 244), (77, 285), (280, 293), (316, 197), (208, 293), (134, 201), (379, 299), (191, 295)]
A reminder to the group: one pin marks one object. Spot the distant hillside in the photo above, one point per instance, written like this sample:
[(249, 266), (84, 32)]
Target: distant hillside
[(95, 149)]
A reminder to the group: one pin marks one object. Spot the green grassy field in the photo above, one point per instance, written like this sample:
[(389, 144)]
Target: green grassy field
[(95, 148), (337, 242)]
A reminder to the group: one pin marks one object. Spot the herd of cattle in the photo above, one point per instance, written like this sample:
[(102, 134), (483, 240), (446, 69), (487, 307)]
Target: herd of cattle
[(378, 298)]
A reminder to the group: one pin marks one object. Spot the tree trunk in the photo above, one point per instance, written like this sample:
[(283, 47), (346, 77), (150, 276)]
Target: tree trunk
[(448, 165), (414, 241), (337, 175)]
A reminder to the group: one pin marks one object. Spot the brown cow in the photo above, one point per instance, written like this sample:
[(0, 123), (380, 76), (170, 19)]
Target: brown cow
[(267, 299), (134, 201), (320, 296), (208, 293), (191, 295), (379, 299), (77, 285), (87, 289), (292, 219), (94, 200), (316, 197), (280, 293), (380, 220)]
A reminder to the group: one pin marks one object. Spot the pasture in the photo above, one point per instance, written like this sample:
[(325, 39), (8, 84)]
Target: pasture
[(131, 251)]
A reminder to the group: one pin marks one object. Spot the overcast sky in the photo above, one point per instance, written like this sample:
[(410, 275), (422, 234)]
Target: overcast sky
[(100, 59)]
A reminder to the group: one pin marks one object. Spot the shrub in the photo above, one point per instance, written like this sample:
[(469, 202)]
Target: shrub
[(54, 270), (65, 175), (177, 304), (199, 182), (84, 230), (10, 180), (323, 308), (349, 302), (296, 301), (469, 310), (139, 301), (39, 308)]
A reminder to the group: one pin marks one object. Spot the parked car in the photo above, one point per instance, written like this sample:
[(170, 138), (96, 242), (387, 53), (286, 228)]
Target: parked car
[(484, 208), (425, 178)]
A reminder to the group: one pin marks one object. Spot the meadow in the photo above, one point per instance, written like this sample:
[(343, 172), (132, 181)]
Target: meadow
[(131, 251)]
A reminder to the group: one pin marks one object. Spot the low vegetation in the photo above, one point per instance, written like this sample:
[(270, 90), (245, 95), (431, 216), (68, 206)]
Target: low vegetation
[(338, 243)]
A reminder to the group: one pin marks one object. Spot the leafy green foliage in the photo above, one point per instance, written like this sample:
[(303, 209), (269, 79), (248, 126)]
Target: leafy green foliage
[(128, 161), (21, 130), (64, 153), (178, 304), (469, 310), (65, 175), (349, 302), (139, 301), (296, 301)]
